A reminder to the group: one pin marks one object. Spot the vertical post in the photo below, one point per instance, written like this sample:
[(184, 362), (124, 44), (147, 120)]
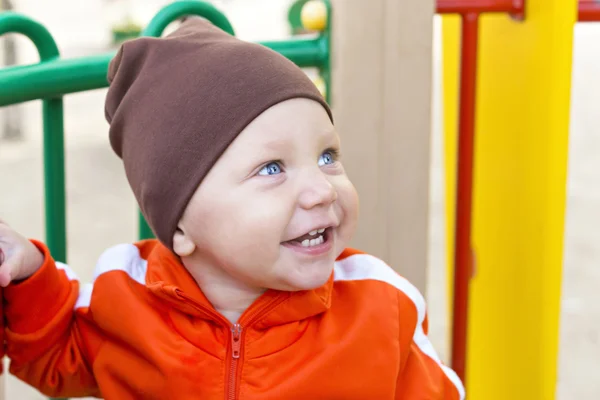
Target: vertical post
[(144, 230), (463, 257), (54, 178), (523, 96), (381, 96)]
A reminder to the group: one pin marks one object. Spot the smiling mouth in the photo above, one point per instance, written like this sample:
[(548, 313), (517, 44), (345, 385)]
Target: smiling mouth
[(312, 240)]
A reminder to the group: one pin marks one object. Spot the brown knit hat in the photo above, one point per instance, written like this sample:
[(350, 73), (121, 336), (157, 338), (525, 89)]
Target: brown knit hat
[(176, 103)]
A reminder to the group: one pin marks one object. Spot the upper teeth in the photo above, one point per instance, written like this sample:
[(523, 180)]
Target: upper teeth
[(312, 242), (313, 233)]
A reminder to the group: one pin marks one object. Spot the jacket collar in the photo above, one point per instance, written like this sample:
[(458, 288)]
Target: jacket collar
[(167, 278)]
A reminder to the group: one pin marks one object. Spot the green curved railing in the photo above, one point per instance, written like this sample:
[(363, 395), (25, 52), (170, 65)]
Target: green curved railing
[(52, 108), (53, 77)]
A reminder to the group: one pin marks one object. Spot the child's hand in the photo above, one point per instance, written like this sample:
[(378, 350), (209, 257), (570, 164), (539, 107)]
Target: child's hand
[(19, 258)]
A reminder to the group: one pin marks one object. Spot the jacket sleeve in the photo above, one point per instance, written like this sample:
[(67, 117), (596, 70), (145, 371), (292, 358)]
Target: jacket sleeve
[(49, 342), (422, 374)]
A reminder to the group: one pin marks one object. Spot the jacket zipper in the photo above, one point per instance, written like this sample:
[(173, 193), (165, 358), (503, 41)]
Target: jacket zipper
[(236, 337), (236, 345)]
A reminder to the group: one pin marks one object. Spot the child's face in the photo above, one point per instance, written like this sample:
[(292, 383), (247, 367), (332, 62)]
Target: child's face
[(278, 181)]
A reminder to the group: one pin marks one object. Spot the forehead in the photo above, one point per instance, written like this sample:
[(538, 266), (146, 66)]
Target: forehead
[(285, 123)]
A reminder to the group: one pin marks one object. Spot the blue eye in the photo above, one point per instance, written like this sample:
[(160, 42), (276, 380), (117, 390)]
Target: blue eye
[(326, 158), (272, 168)]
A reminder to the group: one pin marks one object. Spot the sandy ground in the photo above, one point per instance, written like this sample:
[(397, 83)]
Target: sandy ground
[(101, 210)]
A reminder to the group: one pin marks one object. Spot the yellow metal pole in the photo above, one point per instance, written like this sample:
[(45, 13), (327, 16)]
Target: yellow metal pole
[(520, 172), (450, 90)]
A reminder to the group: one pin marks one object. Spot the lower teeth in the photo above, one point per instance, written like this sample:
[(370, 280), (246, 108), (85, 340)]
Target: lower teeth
[(312, 242)]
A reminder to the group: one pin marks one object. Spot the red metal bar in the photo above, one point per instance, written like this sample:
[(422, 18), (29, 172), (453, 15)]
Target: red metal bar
[(463, 267), (589, 11), (479, 6)]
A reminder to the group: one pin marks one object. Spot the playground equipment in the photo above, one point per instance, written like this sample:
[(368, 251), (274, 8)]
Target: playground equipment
[(513, 89), (589, 11), (463, 253), (314, 15)]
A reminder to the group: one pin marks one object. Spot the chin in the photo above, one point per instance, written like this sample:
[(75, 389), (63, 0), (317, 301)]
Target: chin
[(297, 273), (309, 282)]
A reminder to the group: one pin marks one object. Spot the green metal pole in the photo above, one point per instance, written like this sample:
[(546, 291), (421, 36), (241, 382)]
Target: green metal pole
[(304, 52), (144, 230), (51, 79), (180, 9), (54, 171), (64, 76), (54, 178)]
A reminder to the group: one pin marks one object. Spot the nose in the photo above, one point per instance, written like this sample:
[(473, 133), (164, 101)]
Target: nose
[(316, 190)]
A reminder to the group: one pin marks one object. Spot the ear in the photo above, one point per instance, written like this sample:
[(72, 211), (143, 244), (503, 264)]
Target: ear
[(183, 245)]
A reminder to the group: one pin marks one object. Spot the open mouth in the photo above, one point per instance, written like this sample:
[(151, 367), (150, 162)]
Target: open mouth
[(313, 240)]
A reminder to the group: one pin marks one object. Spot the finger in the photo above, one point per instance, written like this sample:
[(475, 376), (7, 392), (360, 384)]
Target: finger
[(7, 269)]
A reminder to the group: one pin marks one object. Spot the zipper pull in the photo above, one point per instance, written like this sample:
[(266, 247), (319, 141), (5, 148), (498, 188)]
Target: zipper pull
[(236, 341)]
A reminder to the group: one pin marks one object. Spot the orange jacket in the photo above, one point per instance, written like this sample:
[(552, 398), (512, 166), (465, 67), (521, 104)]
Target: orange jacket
[(144, 330)]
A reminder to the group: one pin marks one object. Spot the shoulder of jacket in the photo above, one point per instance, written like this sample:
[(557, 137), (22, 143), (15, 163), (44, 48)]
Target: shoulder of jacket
[(354, 265), (126, 257)]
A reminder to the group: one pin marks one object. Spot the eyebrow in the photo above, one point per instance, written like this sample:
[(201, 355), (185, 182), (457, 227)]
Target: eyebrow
[(268, 150), (275, 145), (331, 134)]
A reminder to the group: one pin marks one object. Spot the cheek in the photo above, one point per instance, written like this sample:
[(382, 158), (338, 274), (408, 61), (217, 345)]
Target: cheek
[(244, 228), (349, 204)]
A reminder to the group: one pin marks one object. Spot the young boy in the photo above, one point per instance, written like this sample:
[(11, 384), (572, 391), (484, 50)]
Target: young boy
[(249, 291)]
